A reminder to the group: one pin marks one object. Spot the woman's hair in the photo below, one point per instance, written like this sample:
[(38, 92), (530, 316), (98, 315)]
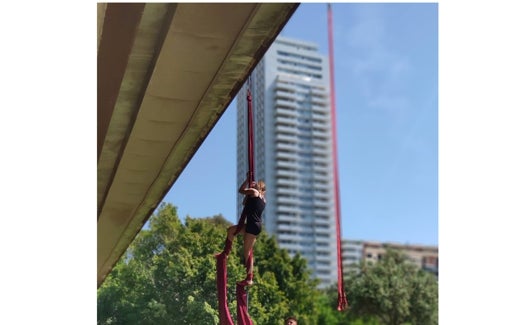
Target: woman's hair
[(261, 186)]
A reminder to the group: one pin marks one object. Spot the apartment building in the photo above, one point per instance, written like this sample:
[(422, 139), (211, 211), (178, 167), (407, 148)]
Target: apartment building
[(293, 151)]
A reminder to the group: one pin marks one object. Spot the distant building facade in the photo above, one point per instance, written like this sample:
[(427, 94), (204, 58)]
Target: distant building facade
[(352, 253), (424, 257)]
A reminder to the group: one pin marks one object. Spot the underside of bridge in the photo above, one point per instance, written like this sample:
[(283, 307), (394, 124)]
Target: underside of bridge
[(166, 74)]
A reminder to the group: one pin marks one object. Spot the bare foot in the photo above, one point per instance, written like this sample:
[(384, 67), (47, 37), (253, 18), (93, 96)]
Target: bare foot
[(246, 282)]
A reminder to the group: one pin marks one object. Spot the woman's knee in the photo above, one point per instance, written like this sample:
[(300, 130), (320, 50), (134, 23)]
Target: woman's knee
[(231, 231)]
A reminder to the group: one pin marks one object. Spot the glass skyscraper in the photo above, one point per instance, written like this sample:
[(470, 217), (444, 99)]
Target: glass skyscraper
[(293, 151)]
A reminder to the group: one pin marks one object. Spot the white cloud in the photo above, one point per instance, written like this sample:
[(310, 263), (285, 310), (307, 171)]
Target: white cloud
[(378, 71)]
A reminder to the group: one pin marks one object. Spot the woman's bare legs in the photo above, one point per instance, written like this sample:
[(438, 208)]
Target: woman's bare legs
[(229, 241), (249, 241), (231, 232)]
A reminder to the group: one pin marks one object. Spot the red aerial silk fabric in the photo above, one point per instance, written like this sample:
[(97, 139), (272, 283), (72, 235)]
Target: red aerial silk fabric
[(251, 153), (342, 299), (242, 306), (251, 160), (221, 279), (243, 317)]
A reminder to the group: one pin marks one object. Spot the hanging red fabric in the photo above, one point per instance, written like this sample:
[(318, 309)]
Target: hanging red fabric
[(221, 284), (242, 315), (251, 161), (342, 299)]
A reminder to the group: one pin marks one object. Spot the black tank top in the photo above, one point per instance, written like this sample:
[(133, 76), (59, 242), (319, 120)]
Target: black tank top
[(253, 208)]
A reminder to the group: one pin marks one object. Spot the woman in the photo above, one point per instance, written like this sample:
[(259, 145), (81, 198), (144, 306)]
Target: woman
[(254, 204)]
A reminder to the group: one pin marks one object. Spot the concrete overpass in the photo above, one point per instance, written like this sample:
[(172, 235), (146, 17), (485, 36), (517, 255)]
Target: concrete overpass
[(166, 73)]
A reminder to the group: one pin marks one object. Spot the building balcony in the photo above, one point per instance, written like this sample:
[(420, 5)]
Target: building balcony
[(289, 228), (321, 120), (290, 137), (322, 177), (319, 101), (319, 157), (284, 217), (287, 112), (322, 195), (317, 92), (291, 201), (322, 186), (285, 173), (287, 146), (286, 129), (285, 103), (321, 132), (287, 156), (322, 205), (323, 215), (320, 109), (322, 169), (285, 120), (286, 163), (287, 210), (322, 222), (286, 181), (282, 86), (282, 94)]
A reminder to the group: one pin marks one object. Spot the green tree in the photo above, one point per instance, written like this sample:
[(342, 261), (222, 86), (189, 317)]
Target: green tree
[(394, 291), (157, 280), (168, 276)]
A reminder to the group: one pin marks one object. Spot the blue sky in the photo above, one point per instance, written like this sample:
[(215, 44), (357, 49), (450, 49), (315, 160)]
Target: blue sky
[(386, 78)]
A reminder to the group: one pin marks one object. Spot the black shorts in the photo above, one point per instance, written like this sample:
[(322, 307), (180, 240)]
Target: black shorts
[(253, 228)]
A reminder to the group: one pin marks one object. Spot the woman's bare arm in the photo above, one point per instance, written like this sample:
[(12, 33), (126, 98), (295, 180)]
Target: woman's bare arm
[(242, 189)]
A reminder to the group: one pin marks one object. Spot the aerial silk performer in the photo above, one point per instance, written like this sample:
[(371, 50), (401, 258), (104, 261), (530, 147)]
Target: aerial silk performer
[(250, 226)]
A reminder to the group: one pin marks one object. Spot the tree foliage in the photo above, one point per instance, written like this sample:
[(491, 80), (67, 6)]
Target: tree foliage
[(394, 291), (168, 276)]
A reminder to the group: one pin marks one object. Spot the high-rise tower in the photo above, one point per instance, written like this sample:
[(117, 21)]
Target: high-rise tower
[(293, 151)]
